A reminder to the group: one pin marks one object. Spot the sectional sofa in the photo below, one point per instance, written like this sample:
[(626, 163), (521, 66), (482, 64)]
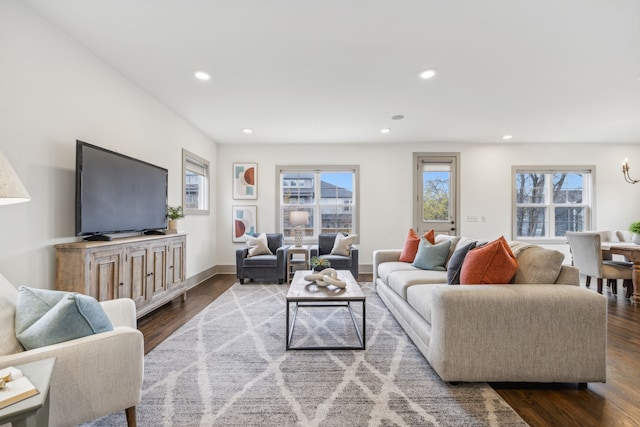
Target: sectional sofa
[(541, 327)]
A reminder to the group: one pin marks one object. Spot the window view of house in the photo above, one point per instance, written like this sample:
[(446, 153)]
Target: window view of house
[(328, 198)]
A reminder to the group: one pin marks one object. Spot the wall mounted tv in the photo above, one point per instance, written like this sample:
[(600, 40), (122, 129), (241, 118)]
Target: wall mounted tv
[(116, 194)]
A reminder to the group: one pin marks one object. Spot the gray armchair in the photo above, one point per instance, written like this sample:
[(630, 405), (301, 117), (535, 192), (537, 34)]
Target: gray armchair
[(265, 267), (339, 262)]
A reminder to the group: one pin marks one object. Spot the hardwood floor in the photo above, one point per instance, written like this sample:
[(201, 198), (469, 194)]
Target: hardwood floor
[(612, 404)]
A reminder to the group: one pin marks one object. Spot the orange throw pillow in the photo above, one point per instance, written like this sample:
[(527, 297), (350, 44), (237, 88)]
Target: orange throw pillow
[(491, 264), (411, 244)]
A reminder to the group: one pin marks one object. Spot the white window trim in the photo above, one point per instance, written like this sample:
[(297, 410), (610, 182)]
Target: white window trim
[(316, 169), (195, 163), (589, 195)]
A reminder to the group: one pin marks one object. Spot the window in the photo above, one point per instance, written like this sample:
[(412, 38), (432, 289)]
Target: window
[(195, 184), (328, 194), (551, 201)]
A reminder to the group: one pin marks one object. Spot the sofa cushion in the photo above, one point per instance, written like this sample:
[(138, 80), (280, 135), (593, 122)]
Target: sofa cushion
[(411, 244), (9, 344), (45, 317), (537, 265), (342, 244), (456, 261), (431, 257), (493, 263), (400, 281), (258, 245), (386, 268)]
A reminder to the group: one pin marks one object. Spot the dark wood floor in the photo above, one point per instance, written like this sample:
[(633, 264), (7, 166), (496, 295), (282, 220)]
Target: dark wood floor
[(614, 403)]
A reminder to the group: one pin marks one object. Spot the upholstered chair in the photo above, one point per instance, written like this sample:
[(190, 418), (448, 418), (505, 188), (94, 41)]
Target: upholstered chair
[(339, 262), (93, 376), (587, 256), (271, 267)]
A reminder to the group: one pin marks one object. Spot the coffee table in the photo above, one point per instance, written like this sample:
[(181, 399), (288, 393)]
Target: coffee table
[(306, 294)]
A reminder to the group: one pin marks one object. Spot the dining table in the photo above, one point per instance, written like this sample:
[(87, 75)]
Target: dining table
[(632, 252)]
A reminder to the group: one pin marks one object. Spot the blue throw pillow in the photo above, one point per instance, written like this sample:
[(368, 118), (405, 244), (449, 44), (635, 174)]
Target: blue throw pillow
[(455, 263), (431, 257), (45, 317)]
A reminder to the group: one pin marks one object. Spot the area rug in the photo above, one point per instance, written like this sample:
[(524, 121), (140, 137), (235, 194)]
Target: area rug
[(228, 367)]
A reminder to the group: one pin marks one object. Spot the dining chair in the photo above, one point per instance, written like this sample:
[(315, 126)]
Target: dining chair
[(586, 251)]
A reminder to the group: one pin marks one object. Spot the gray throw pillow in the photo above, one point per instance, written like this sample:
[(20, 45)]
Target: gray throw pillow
[(45, 317), (456, 261)]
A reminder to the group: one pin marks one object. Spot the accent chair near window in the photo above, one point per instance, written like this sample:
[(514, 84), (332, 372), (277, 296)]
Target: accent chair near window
[(267, 267), (339, 262)]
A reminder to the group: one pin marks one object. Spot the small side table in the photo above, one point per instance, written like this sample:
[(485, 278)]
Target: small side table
[(294, 264), (32, 411)]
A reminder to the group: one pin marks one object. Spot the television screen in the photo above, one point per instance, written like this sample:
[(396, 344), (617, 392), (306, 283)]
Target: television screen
[(116, 193)]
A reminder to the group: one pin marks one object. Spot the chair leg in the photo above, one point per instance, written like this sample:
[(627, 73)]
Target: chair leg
[(587, 281), (599, 279), (131, 416), (628, 283), (613, 283)]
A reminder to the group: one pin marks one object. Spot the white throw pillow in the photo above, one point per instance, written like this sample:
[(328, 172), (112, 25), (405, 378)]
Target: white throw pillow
[(258, 245), (342, 244)]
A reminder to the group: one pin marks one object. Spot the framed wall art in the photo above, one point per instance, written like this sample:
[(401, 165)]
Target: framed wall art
[(245, 181), (244, 221)]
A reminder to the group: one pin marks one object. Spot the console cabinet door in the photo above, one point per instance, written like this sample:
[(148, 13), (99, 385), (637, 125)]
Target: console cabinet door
[(135, 283), (105, 273), (157, 275), (177, 258)]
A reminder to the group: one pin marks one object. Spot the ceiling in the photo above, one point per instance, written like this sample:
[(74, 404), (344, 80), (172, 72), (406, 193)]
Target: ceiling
[(336, 71)]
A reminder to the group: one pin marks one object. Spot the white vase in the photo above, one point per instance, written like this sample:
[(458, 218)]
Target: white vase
[(636, 238)]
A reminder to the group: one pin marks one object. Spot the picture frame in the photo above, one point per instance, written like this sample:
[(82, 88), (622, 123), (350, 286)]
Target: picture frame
[(244, 220), (245, 181)]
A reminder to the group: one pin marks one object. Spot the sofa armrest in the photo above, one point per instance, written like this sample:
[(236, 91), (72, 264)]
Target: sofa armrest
[(569, 275), (384, 255), (476, 328), (121, 312), (93, 376)]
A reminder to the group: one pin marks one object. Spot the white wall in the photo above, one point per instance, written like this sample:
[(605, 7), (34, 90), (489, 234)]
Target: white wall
[(52, 92), (386, 190)]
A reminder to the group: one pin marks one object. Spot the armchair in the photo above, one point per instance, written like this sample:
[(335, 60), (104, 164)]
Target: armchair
[(266, 267), (339, 262), (93, 376)]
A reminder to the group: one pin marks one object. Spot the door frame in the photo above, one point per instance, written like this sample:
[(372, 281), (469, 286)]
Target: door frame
[(446, 157)]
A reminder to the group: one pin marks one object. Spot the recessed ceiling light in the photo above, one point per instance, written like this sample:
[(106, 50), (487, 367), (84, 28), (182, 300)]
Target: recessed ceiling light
[(247, 130), (202, 75), (385, 130), (506, 137), (428, 73), (397, 117)]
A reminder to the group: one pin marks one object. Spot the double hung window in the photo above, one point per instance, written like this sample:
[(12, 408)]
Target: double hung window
[(328, 194), (549, 201)]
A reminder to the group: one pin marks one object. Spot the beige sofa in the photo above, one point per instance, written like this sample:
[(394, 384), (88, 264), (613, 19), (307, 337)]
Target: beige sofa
[(93, 376), (527, 331)]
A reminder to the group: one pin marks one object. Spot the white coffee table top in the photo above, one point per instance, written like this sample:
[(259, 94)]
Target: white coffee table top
[(303, 290)]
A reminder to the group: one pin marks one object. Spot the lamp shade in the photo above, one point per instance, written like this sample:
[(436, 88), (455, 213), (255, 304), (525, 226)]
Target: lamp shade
[(298, 218), (11, 188)]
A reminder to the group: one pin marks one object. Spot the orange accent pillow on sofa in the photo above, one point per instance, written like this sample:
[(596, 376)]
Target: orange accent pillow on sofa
[(411, 244), (491, 264)]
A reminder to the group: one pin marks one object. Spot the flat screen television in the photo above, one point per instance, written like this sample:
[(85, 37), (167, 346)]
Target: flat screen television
[(116, 193)]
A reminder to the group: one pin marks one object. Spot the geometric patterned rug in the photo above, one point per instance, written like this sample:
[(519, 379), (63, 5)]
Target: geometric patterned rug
[(228, 367)]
